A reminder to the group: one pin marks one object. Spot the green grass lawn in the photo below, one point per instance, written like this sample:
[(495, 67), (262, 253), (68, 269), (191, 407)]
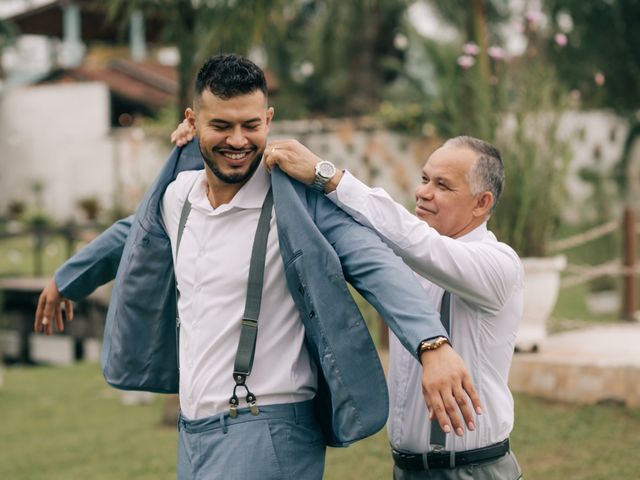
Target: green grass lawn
[(66, 423)]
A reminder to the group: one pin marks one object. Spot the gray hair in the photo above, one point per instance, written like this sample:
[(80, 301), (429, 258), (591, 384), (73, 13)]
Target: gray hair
[(487, 174)]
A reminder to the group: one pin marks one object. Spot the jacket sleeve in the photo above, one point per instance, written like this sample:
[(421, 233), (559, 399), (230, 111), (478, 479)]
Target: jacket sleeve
[(94, 265), (380, 276)]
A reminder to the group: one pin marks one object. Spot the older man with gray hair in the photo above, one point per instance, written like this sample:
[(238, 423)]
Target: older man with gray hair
[(476, 280)]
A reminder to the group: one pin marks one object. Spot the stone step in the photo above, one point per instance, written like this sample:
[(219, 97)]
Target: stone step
[(591, 365)]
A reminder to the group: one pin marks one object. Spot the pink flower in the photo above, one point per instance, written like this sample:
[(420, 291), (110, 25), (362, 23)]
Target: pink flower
[(599, 79), (496, 53), (470, 49), (534, 17), (466, 61), (561, 39)]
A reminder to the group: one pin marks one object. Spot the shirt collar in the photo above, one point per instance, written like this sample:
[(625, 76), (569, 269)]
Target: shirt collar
[(250, 195), (476, 234)]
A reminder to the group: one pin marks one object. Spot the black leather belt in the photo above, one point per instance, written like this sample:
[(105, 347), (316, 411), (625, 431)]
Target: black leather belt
[(434, 460)]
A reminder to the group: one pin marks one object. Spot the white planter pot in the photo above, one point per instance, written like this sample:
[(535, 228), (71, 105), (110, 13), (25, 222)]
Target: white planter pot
[(541, 286)]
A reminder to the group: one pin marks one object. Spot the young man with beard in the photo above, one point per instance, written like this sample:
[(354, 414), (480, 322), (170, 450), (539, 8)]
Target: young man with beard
[(316, 379)]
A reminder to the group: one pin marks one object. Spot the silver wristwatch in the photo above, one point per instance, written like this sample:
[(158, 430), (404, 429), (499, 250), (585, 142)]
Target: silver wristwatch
[(325, 171)]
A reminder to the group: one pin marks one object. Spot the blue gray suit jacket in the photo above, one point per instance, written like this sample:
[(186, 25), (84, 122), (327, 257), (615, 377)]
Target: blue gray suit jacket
[(322, 249)]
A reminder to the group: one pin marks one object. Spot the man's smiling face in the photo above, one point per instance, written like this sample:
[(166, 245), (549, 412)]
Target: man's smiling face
[(232, 133), (444, 198)]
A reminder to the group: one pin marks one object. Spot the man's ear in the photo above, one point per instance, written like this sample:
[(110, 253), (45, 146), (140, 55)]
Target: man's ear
[(484, 202), (190, 116), (270, 113)]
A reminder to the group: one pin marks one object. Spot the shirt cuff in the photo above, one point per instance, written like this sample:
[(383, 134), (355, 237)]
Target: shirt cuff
[(348, 184)]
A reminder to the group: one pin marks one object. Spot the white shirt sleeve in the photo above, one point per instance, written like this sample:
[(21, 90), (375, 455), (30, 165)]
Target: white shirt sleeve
[(479, 270)]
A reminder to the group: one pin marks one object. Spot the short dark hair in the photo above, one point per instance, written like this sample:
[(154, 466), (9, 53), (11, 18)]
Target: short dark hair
[(228, 76), (487, 174)]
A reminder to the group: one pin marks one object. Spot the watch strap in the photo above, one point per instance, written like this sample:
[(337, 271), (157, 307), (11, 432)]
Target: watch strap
[(319, 183)]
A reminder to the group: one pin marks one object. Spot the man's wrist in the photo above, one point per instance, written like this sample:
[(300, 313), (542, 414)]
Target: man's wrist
[(332, 184), (431, 344)]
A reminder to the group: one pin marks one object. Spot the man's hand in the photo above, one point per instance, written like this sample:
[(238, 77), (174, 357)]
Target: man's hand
[(50, 308), (297, 161), (185, 131), (446, 384)]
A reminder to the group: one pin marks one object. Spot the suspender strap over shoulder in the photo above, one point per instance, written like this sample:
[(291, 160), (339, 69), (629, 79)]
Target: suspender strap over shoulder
[(184, 215), (249, 329)]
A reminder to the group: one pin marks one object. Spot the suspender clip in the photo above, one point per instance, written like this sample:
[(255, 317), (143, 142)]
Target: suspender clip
[(253, 406), (233, 405)]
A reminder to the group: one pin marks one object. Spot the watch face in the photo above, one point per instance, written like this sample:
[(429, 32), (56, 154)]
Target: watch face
[(326, 169)]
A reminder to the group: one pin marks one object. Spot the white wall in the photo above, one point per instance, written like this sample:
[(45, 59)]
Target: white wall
[(60, 135), (592, 134), (57, 135)]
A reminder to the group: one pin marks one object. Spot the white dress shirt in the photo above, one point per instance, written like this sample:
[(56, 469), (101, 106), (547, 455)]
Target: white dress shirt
[(212, 272), (485, 278)]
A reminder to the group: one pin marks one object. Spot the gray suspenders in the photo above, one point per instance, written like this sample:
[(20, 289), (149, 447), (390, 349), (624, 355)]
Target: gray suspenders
[(438, 438), (184, 214), (249, 329)]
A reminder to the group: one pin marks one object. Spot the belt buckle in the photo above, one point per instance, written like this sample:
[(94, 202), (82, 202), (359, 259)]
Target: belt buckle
[(440, 458)]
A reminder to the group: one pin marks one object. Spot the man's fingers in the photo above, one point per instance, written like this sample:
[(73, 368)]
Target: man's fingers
[(49, 314), (467, 384), (451, 407), (183, 133), (440, 413), (59, 322), (183, 140), (465, 408), (68, 309), (37, 324), (273, 155)]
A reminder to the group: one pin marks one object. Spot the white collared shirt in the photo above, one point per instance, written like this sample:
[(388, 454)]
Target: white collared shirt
[(212, 272), (485, 278)]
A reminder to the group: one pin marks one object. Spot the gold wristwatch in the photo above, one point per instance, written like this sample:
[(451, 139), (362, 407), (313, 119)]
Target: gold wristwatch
[(432, 344)]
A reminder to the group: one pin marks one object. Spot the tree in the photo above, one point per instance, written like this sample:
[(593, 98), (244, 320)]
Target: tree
[(329, 56), (203, 28), (515, 103), (354, 56), (601, 60), (603, 37)]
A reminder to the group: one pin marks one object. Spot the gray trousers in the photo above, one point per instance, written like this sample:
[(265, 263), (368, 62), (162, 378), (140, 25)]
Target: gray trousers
[(283, 442), (503, 468)]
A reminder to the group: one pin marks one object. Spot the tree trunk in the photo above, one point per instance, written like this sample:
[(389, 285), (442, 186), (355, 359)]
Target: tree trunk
[(186, 42)]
